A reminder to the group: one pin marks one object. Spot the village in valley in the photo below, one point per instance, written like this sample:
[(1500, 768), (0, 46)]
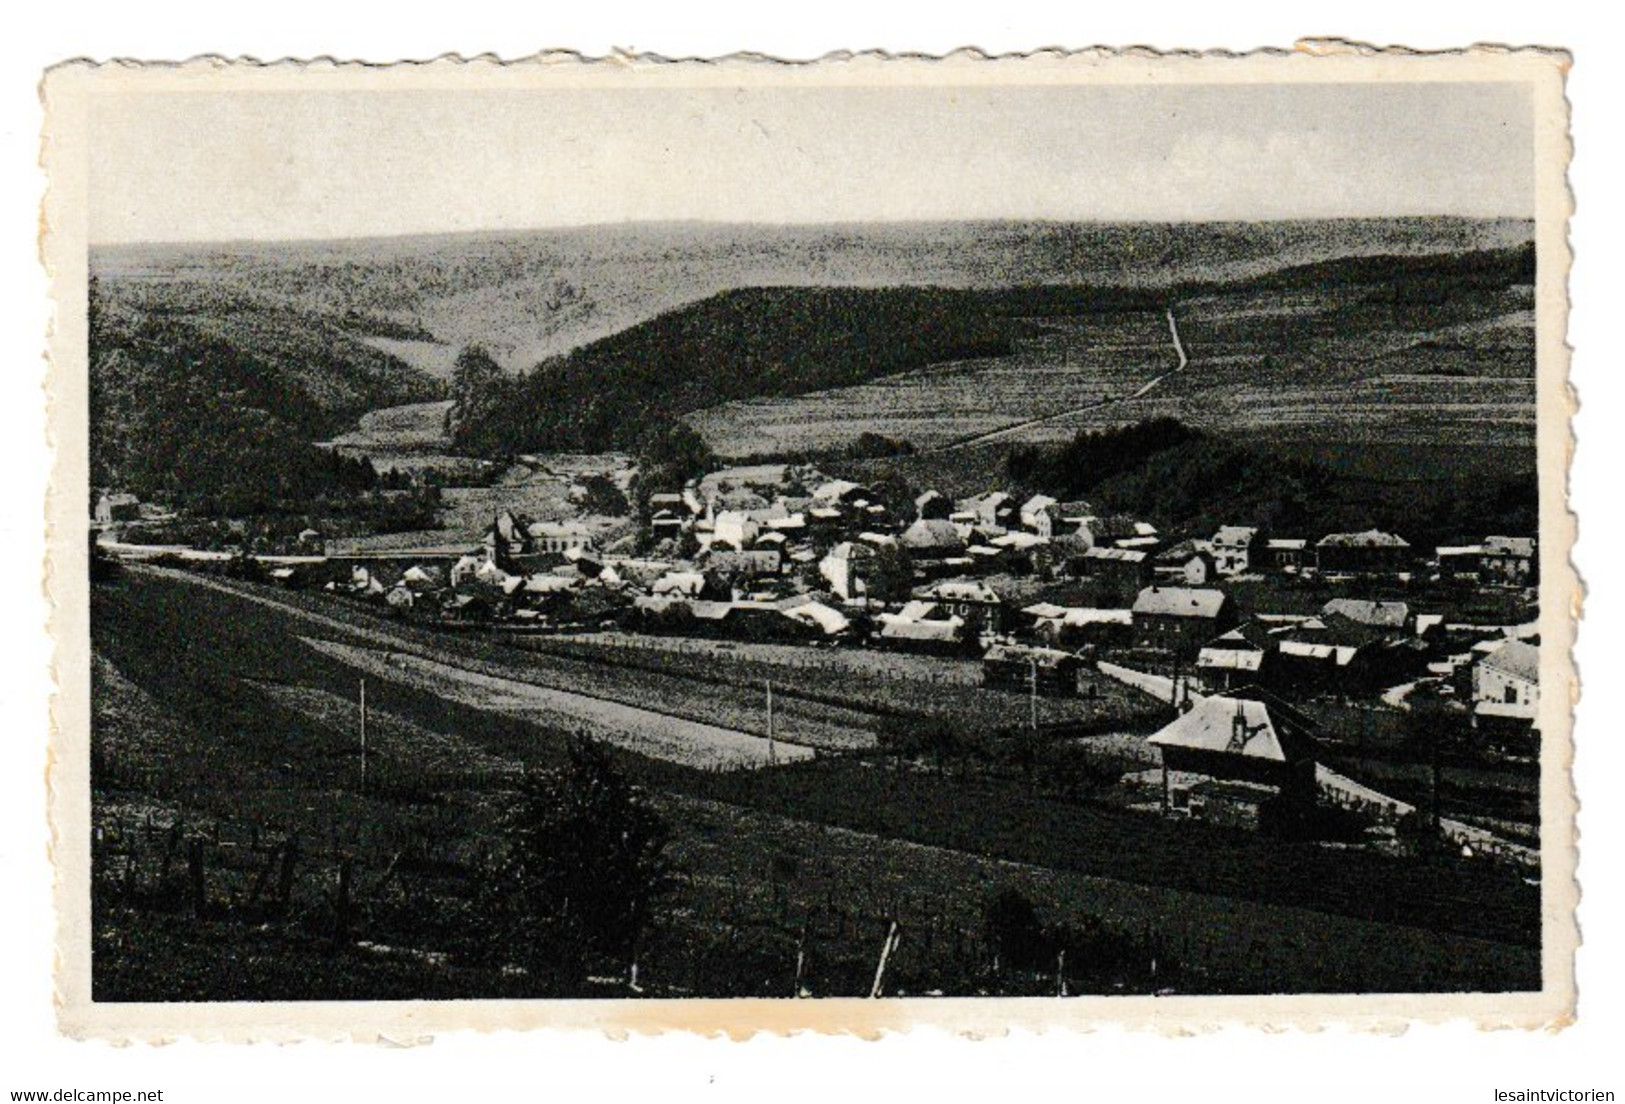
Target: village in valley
[(1271, 655)]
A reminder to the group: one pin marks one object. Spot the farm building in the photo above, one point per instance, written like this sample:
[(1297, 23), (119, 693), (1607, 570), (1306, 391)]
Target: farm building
[(679, 584), (1045, 671), (665, 524), (837, 491), (734, 528), (540, 585), (1390, 617), (1248, 738), (1510, 561), (561, 536), (1188, 563), (827, 619), (720, 500), (1180, 619), (791, 524), (824, 518), (482, 570), (1081, 626), (1459, 561), (1236, 658), (652, 614), (932, 538), (994, 510), (112, 508), (1506, 683), (1023, 552), (423, 578), (745, 563), (1117, 572), (1286, 555), (972, 601), (1372, 552), (1232, 547), (1336, 654), (1094, 531), (925, 635), (932, 506)]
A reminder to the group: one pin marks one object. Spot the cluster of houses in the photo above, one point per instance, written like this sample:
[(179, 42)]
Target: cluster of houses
[(753, 561)]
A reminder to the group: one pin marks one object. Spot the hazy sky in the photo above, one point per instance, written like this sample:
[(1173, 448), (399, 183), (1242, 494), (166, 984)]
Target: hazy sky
[(198, 166)]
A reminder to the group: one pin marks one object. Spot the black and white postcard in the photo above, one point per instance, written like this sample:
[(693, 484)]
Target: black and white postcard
[(641, 544)]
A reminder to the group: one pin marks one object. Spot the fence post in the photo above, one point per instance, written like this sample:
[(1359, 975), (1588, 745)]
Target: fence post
[(341, 910), (284, 886), (195, 878)]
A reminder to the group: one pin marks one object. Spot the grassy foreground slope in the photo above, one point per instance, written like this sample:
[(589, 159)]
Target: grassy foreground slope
[(211, 712)]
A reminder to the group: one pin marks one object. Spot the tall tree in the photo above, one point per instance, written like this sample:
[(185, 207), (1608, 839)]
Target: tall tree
[(584, 865)]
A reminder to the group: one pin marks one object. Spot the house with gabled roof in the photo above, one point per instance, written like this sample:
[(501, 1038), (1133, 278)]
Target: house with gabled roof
[(1188, 563), (932, 506), (1232, 548), (971, 600), (1181, 619), (933, 635), (1047, 671), (1508, 679), (1249, 737), (1286, 555), (932, 538), (1118, 573), (994, 510), (1240, 657), (1388, 617), (1509, 561), (1371, 552)]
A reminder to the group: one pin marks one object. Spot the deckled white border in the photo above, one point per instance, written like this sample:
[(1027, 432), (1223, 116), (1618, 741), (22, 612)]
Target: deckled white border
[(67, 90)]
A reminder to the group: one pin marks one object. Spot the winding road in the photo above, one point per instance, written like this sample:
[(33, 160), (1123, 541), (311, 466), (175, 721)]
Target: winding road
[(1097, 404)]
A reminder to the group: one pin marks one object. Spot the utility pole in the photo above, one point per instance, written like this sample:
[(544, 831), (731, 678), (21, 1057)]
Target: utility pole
[(363, 735), (772, 752), (1032, 697)]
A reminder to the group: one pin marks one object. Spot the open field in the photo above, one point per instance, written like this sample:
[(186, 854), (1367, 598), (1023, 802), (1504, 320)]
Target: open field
[(769, 879), (210, 713), (654, 734), (1321, 365)]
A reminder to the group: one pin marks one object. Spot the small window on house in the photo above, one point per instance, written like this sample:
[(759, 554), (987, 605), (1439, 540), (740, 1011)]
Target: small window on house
[(1511, 694)]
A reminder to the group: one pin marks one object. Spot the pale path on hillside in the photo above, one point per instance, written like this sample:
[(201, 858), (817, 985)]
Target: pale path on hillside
[(644, 731), (1103, 401)]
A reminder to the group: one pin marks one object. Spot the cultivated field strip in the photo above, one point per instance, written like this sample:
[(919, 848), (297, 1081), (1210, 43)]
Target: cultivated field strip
[(447, 760), (839, 704), (867, 684), (654, 734), (729, 708)]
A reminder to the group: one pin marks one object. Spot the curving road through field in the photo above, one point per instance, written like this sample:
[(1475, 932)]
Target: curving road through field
[(1098, 404)]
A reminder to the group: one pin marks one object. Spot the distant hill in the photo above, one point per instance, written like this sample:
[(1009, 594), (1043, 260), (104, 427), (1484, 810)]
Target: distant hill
[(214, 398), (530, 295), (751, 343), (745, 346)]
